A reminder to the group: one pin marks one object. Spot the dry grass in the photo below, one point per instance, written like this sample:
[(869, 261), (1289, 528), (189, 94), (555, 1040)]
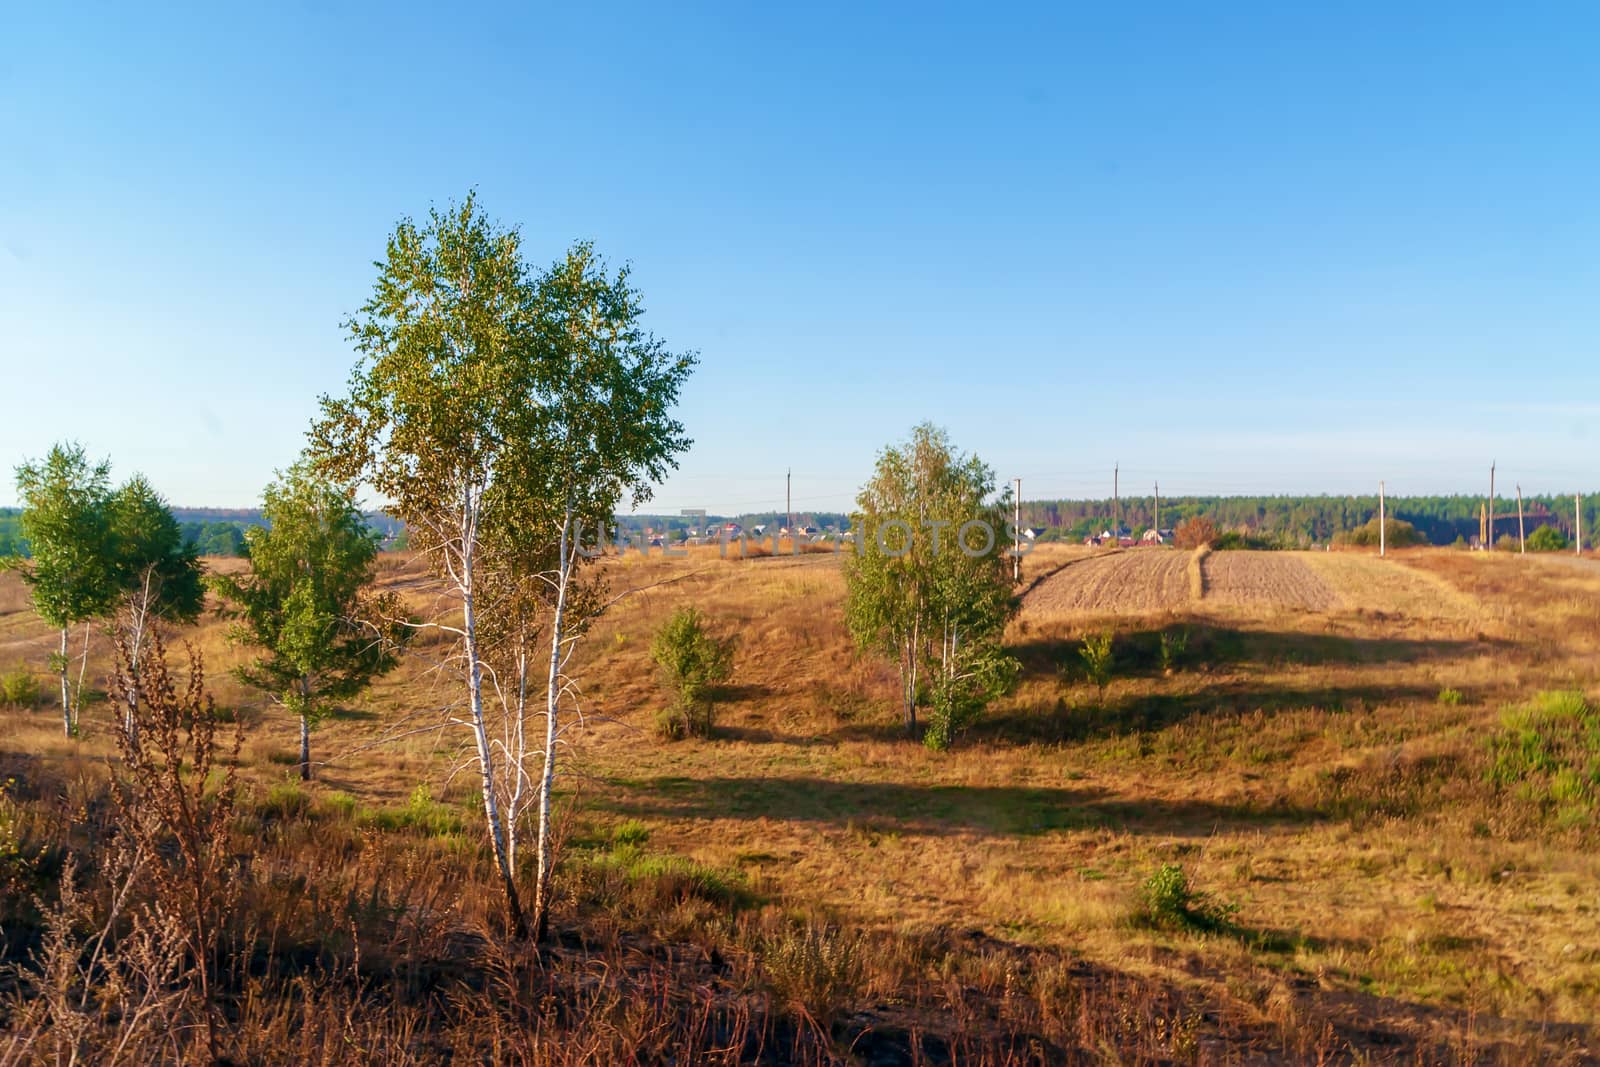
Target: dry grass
[(1391, 904)]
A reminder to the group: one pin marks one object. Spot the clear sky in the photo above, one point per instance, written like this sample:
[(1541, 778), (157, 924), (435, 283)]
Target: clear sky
[(1238, 247)]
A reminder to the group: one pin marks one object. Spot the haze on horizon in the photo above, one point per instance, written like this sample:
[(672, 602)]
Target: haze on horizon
[(1238, 251)]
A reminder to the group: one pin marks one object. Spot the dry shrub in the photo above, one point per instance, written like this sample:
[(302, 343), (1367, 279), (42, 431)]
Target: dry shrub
[(176, 818), (1195, 532)]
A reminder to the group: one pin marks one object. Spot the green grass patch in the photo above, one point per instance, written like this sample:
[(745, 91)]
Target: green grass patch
[(1547, 754)]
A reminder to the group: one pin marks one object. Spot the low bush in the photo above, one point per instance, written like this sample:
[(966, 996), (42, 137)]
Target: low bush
[(1547, 539), (1170, 901), (19, 688), (1098, 660), (692, 661), (1174, 643), (1192, 533), (1397, 533), (814, 967)]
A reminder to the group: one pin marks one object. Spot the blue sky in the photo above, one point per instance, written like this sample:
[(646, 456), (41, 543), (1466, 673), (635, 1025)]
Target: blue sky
[(1237, 248)]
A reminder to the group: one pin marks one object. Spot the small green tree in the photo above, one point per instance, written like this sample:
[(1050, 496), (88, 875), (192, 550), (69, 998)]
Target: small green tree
[(156, 573), (1098, 660), (692, 660), (308, 604), (1547, 539), (66, 519)]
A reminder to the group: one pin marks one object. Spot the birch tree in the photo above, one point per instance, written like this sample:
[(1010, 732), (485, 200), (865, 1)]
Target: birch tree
[(156, 574), (501, 411), (66, 521), (928, 585), (607, 434)]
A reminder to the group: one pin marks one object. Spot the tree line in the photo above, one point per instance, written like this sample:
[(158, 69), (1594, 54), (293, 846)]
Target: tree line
[(1304, 520)]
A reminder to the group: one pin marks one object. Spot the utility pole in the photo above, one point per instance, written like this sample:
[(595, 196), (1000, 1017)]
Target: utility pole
[(1492, 507), (1522, 533), (1383, 523), (1116, 499), (1577, 525), (1016, 533), (788, 504), (1158, 509)]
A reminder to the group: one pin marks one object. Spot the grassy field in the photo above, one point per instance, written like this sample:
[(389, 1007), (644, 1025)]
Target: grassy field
[(1387, 832)]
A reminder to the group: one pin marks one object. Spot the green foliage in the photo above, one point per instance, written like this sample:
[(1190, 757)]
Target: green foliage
[(285, 800), (1174, 643), (691, 662), (12, 543), (1547, 539), (1548, 752), (1239, 541), (1099, 660), (19, 688), (1170, 901), (956, 698), (66, 520), (156, 571), (307, 603), (927, 586), (630, 833), (1450, 697), (1397, 533), (421, 814), (72, 567), (216, 538)]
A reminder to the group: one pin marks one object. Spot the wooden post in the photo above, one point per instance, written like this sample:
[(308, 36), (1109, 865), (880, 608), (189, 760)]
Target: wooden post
[(1492, 507), (1522, 533), (1383, 523), (1016, 533), (1116, 500)]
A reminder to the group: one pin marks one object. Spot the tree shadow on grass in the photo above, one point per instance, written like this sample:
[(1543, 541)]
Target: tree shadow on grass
[(886, 807), (1137, 653), (1136, 713)]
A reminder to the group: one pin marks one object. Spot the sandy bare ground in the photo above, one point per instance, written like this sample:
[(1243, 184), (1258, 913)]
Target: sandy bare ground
[(1266, 580), (1134, 581)]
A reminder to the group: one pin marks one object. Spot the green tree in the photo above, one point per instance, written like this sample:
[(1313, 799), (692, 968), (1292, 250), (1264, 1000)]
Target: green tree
[(692, 660), (928, 584), (308, 604), (66, 519), (156, 573), (1547, 539), (502, 412)]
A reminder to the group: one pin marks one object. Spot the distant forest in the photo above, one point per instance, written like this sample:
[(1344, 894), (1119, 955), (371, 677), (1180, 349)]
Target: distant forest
[(1306, 520), (213, 531), (1291, 520)]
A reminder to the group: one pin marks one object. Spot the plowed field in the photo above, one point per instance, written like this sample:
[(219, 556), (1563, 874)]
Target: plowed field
[(1140, 580), (1265, 580)]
